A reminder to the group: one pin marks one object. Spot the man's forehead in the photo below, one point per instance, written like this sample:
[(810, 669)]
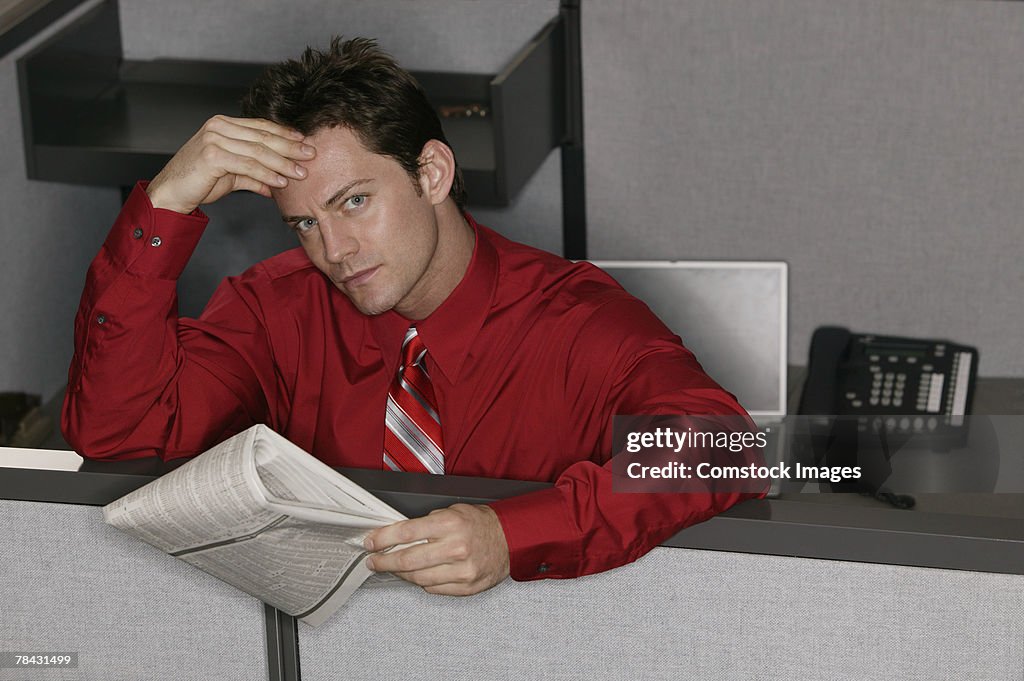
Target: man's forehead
[(341, 160)]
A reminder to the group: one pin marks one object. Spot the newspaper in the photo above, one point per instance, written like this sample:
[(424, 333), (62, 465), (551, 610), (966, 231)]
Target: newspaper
[(259, 513)]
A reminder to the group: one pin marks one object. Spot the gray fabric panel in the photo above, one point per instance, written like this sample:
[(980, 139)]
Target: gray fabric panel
[(48, 234), (680, 613), (535, 216), (71, 583), (427, 35), (875, 145)]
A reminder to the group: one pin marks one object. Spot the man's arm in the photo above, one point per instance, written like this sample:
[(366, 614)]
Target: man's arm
[(143, 382), (585, 525), (581, 525)]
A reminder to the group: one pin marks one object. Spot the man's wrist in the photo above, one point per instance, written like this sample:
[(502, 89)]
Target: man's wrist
[(159, 199)]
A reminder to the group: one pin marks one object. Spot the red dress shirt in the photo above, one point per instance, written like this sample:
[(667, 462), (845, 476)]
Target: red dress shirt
[(531, 356)]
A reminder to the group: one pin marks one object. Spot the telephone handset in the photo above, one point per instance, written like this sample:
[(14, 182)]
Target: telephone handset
[(912, 385)]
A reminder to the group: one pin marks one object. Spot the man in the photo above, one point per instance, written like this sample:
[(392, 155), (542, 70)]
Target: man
[(401, 335)]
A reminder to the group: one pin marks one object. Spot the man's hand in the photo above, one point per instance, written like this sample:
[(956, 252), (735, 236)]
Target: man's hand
[(226, 155), (465, 552)]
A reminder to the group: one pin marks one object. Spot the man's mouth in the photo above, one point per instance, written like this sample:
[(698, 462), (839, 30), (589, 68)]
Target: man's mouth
[(360, 277)]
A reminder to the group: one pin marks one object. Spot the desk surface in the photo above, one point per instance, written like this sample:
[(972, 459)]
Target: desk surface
[(981, 532)]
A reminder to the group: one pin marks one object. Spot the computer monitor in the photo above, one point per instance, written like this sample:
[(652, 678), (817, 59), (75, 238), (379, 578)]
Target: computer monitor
[(732, 315)]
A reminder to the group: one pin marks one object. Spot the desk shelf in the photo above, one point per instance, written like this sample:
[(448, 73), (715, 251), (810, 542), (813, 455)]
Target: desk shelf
[(92, 117)]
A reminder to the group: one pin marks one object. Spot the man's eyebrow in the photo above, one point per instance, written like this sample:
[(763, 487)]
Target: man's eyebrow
[(334, 198), (345, 189)]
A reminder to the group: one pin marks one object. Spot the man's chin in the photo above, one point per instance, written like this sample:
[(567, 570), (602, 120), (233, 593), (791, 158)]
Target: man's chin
[(372, 311), (368, 305)]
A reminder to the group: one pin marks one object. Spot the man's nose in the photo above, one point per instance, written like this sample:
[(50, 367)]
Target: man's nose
[(338, 243)]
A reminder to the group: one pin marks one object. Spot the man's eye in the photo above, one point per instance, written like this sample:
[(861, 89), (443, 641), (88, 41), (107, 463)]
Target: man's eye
[(356, 201), (305, 225)]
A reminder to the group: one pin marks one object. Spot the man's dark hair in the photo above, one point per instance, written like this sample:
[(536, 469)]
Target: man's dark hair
[(355, 85)]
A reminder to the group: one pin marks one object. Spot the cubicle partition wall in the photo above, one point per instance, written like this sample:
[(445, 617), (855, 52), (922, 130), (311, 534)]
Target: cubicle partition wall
[(772, 589), (687, 614), (70, 583), (874, 145)]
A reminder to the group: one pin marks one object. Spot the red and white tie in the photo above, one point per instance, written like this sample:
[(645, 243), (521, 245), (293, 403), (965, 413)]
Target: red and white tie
[(412, 438)]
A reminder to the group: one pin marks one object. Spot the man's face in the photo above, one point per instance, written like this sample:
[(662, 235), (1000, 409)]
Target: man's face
[(362, 223)]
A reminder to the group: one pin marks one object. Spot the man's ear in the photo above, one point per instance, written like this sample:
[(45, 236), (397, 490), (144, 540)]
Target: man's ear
[(437, 170)]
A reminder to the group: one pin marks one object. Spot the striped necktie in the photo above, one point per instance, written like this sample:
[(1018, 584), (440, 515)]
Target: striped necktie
[(412, 438)]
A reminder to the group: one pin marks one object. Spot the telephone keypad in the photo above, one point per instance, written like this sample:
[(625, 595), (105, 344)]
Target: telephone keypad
[(904, 385), (894, 381)]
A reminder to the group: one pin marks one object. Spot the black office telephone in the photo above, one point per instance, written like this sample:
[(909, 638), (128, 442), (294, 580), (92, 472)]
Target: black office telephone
[(881, 393), (914, 385)]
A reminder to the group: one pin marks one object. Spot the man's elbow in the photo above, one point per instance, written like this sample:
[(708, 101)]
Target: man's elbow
[(97, 448), (89, 438)]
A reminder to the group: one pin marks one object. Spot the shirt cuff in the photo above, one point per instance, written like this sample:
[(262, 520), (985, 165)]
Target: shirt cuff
[(153, 242), (542, 539)]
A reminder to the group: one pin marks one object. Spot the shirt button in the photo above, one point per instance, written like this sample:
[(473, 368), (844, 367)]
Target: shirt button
[(156, 241), (543, 567), (137, 234), (101, 319)]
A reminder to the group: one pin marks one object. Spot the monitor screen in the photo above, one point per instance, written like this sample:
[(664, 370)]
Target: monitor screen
[(732, 315)]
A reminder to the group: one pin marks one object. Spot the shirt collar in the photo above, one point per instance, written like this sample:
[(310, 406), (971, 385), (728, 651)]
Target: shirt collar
[(448, 333)]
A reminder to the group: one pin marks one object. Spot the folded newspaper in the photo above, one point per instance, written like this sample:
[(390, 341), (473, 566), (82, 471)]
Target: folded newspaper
[(261, 514)]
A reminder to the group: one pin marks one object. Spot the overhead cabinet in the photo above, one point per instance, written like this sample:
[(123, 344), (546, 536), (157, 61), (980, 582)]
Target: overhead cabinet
[(93, 117)]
